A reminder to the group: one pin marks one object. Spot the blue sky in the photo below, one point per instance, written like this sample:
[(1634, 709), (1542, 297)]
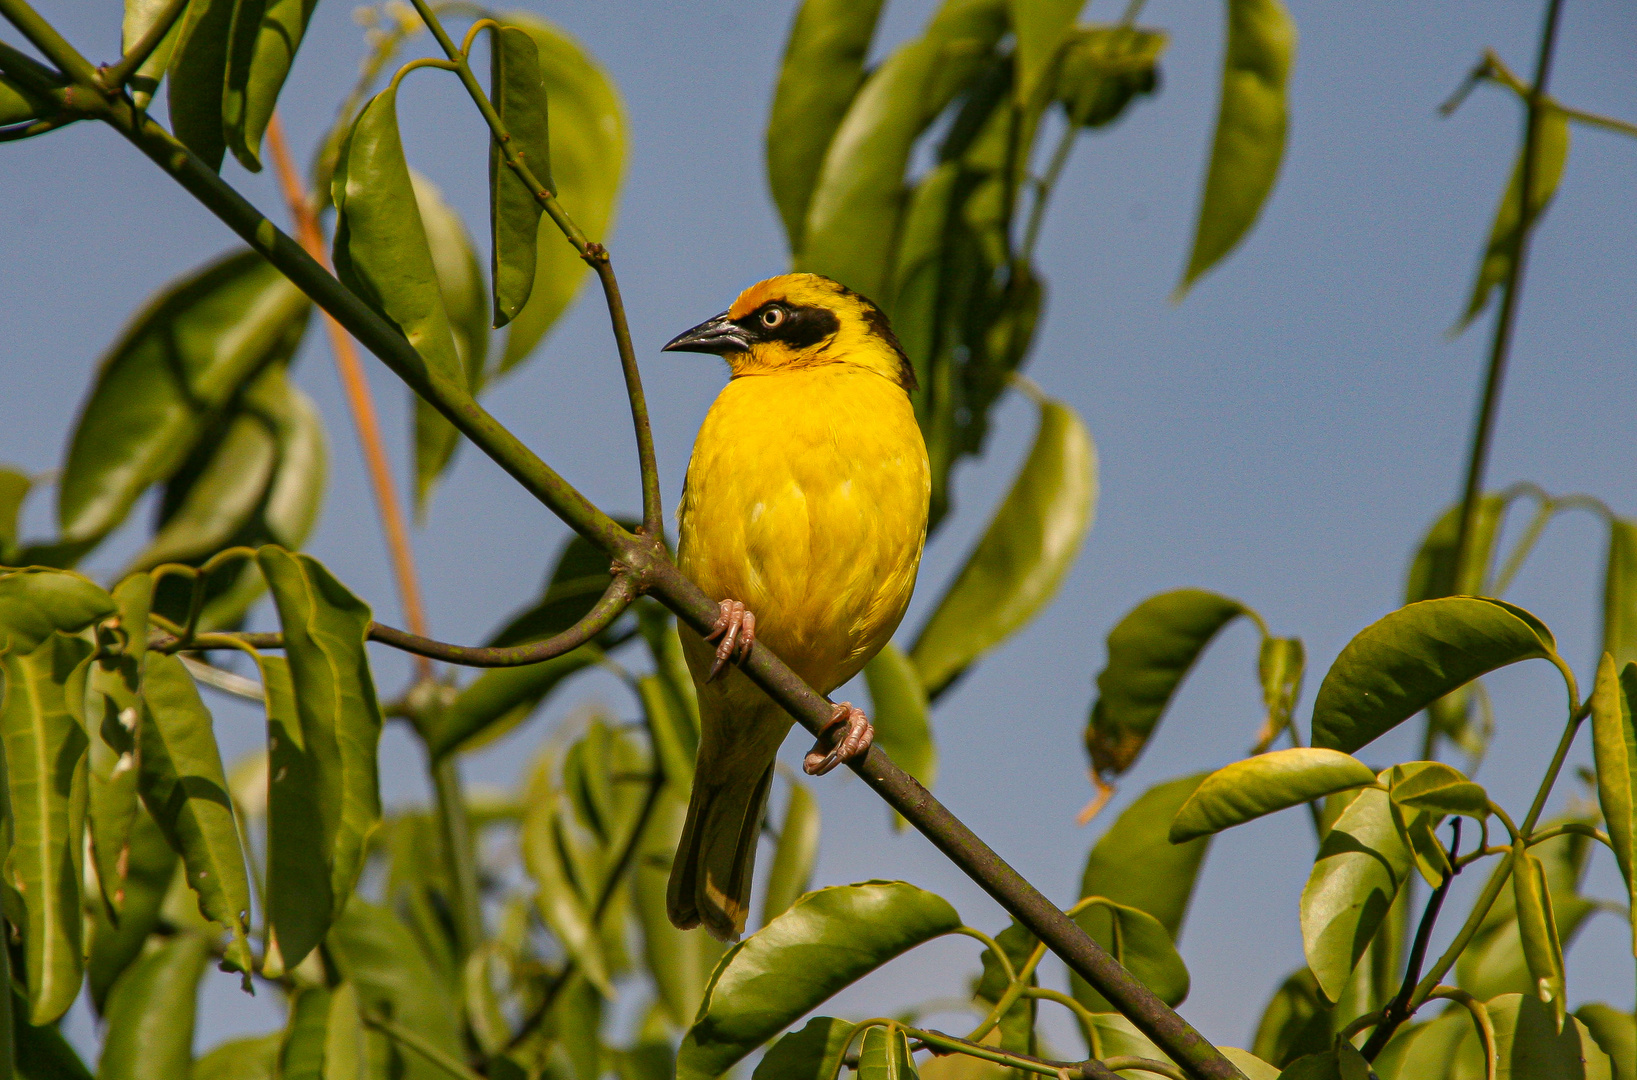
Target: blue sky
[(1282, 436)]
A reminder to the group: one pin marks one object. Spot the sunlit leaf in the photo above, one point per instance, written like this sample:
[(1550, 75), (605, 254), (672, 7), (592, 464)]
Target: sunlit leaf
[(1361, 865), (1040, 27), (198, 73), (36, 601), (19, 103), (794, 855), (263, 40), (884, 1055), (1023, 556), (519, 96), (1432, 785), (1250, 130), (1400, 664), (1620, 593), (1537, 929), (1264, 784), (1139, 837), (255, 1057), (839, 935), (1528, 1045), (140, 15), (151, 1011), (1142, 946), (899, 710), (1614, 747)]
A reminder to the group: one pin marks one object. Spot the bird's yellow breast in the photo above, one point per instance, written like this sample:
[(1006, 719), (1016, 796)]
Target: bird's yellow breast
[(806, 498)]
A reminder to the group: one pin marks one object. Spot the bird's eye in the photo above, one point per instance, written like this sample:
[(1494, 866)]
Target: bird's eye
[(773, 317)]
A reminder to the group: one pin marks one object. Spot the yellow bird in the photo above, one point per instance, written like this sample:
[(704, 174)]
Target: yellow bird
[(804, 513)]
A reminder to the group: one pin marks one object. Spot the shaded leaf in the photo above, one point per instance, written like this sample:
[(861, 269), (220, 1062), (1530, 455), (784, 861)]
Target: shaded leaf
[(19, 103), (899, 709), (821, 73), (340, 725), (1620, 593), (588, 145), (1250, 130), (1361, 864), (14, 488), (300, 901), (184, 787), (181, 361), (264, 37), (140, 15), (1141, 944), (1023, 556), (1040, 27), (1537, 929), (579, 575), (253, 1058), (1616, 1033), (1104, 68), (813, 1053), (150, 869), (884, 1055), (1150, 651), (1614, 748), (839, 934), (519, 96), (560, 904), (1400, 664), (680, 961), (41, 1053), (301, 1043), (676, 741), (794, 855), (36, 602), (1296, 1021), (42, 727), (1552, 154), (151, 1011), (1138, 837), (1528, 1045), (1433, 572), (501, 698), (198, 73), (1264, 784), (112, 713), (1432, 785)]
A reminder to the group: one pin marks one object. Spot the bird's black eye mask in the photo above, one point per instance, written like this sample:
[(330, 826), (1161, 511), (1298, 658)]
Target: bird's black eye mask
[(798, 327)]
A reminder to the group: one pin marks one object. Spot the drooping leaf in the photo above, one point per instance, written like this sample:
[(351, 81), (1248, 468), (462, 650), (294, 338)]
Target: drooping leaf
[(1139, 837), (112, 713), (184, 787), (42, 728), (813, 1053), (884, 1055), (560, 904), (263, 40), (301, 1043), (140, 16), (898, 704), (794, 855), (150, 869), (1295, 1023), (1531, 1046), (19, 103), (14, 488), (183, 359), (1620, 593), (1614, 748), (1361, 865), (1040, 26), (1280, 664), (519, 96), (300, 900), (839, 935), (823, 68), (676, 741), (1150, 652), (198, 73), (255, 1057), (460, 279), (381, 247), (1616, 1033), (151, 1011), (1552, 154), (1141, 944), (1537, 929), (588, 145), (1250, 130), (340, 726), (1400, 664), (1264, 784), (35, 602), (1433, 572), (1432, 785), (1105, 68), (1023, 556), (680, 961)]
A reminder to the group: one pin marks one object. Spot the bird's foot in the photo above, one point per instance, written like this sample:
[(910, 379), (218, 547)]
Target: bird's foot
[(853, 743), (736, 626)]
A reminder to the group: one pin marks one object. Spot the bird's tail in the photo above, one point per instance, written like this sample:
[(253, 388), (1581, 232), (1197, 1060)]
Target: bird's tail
[(711, 876)]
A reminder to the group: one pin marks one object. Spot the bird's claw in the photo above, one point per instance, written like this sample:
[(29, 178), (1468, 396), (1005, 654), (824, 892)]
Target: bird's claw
[(853, 743), (736, 626)]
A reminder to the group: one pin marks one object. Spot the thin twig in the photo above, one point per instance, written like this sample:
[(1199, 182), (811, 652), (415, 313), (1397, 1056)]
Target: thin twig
[(359, 401), (1398, 1010), (413, 1040)]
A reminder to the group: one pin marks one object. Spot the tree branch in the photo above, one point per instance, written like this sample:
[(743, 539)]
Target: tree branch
[(117, 75)]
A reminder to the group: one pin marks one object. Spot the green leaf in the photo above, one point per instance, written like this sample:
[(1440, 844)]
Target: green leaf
[(1295, 1023), (1250, 130), (151, 1010), (1150, 652), (578, 577), (1252, 1066), (560, 904), (374, 952), (348, 1053), (827, 940), (501, 698), (1041, 27), (588, 146), (1614, 748), (14, 488), (1139, 837), (1552, 154), (1139, 942), (822, 70), (1104, 68), (255, 1057), (38, 601), (1620, 593), (1432, 785), (903, 728), (813, 1053), (264, 37), (1616, 1033), (460, 279), (18, 103), (301, 1043), (198, 74), (1537, 928), (680, 961), (184, 787), (1017, 1024), (115, 682), (42, 728), (676, 741), (1402, 663), (300, 899), (1419, 832), (519, 97), (1433, 572), (1530, 1045), (794, 855), (1264, 784), (1280, 664), (181, 362), (340, 727), (41, 1053), (1023, 556), (140, 15), (381, 247), (884, 1055), (150, 869), (1361, 865)]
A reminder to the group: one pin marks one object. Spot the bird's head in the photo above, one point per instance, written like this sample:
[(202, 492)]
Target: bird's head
[(798, 321)]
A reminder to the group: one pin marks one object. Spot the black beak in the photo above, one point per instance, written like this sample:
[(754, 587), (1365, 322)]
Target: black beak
[(716, 335)]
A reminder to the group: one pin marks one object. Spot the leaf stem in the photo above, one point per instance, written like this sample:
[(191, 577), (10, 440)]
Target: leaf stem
[(1570, 730), (43, 36), (1048, 184), (1398, 1010), (117, 75)]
